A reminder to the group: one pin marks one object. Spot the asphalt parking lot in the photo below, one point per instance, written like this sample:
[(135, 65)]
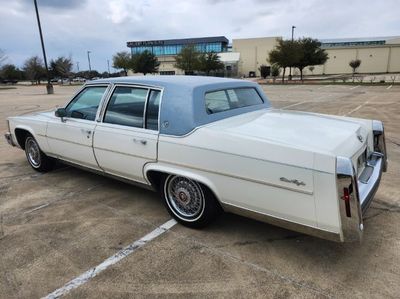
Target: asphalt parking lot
[(58, 225)]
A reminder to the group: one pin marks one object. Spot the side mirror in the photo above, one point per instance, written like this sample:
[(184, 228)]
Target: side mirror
[(61, 112)]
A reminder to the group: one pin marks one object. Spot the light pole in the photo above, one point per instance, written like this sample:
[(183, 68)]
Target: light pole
[(290, 69), (108, 66), (88, 58), (77, 66), (49, 86)]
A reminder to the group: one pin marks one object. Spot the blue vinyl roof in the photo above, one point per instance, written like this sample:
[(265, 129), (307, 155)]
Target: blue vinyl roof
[(183, 104)]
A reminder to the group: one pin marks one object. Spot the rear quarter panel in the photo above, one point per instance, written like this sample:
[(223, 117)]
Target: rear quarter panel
[(240, 180)]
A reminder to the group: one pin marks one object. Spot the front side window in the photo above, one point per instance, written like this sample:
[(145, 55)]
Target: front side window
[(85, 104), (126, 107), (228, 99)]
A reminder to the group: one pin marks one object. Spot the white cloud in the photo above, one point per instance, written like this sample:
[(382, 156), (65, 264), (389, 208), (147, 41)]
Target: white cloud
[(104, 26)]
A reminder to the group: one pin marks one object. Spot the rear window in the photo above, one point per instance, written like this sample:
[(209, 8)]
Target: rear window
[(228, 99)]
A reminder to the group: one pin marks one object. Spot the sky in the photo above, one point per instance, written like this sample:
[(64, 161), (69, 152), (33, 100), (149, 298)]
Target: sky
[(73, 27)]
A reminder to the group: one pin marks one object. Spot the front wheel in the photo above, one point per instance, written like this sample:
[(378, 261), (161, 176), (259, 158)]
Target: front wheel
[(189, 202), (36, 158)]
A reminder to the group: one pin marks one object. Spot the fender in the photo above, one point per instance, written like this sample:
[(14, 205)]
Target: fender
[(197, 175), (40, 138)]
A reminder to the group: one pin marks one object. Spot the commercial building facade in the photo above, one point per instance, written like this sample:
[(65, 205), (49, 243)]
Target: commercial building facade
[(166, 50), (245, 56)]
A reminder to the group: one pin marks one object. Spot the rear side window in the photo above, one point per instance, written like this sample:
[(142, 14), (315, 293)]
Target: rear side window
[(126, 107), (152, 110), (228, 99)]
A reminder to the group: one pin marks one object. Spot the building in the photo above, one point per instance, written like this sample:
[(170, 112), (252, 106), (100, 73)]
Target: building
[(166, 50), (253, 53), (245, 56), (377, 55)]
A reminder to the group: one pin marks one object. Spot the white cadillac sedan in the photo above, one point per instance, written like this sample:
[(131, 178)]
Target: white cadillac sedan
[(210, 145)]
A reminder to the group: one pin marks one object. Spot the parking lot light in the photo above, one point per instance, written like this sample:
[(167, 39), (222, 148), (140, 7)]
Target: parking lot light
[(49, 86)]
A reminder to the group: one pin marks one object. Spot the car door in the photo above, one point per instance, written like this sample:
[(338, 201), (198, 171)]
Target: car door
[(71, 138), (126, 138)]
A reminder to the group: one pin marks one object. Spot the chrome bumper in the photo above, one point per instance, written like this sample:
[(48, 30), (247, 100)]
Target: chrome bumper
[(355, 193), (9, 139)]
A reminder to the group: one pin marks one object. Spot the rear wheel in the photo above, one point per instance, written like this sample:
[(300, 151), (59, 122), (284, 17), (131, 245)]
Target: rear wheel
[(189, 202), (36, 158)]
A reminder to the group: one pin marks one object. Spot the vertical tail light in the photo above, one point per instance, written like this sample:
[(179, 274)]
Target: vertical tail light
[(348, 200)]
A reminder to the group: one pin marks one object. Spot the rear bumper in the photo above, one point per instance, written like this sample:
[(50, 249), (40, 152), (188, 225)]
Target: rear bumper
[(367, 189), (355, 193), (9, 139)]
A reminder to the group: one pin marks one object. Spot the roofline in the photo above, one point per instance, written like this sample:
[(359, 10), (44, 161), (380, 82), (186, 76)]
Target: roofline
[(182, 41)]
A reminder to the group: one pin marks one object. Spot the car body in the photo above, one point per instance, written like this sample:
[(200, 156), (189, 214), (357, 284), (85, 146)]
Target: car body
[(212, 144)]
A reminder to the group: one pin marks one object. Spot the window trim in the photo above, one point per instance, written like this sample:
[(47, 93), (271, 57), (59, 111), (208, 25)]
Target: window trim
[(228, 97), (99, 108), (149, 88)]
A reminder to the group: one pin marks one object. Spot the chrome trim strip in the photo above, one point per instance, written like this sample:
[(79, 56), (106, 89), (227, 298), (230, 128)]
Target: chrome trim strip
[(301, 228), (368, 190), (106, 174), (237, 177), (380, 142), (349, 209)]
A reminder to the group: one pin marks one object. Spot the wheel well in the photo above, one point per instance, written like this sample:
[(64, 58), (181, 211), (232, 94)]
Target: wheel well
[(21, 135), (155, 178)]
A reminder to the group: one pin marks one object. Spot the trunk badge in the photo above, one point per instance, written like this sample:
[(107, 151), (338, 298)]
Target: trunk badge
[(296, 182), (360, 138)]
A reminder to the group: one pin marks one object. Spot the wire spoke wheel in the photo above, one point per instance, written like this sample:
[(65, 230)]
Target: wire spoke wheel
[(33, 152), (185, 197)]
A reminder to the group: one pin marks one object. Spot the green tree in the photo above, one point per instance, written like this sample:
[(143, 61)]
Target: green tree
[(209, 62), (61, 67), (354, 64), (275, 69), (34, 69), (263, 71), (310, 54), (188, 59), (145, 63), (10, 72), (285, 54), (122, 60)]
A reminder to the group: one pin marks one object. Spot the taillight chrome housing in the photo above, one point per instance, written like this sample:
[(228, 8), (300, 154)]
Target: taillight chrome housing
[(349, 200), (379, 141)]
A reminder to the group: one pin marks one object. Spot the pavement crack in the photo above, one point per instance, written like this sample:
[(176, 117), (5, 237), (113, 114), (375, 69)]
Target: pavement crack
[(1, 226), (257, 267)]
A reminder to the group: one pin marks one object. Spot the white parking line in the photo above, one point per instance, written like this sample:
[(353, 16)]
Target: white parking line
[(356, 109), (291, 105), (389, 87), (91, 273), (37, 208), (354, 87)]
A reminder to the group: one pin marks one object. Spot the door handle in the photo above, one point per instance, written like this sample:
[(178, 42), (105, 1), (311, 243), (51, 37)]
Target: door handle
[(86, 132), (142, 141)]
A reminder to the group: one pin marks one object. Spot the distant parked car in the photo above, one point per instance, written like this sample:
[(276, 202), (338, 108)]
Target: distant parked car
[(211, 144), (9, 81), (79, 79)]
